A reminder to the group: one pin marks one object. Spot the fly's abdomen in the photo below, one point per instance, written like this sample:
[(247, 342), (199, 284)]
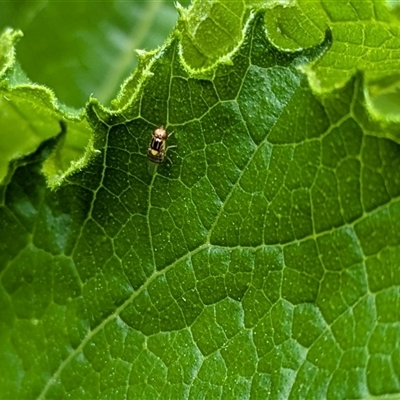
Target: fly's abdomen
[(156, 151)]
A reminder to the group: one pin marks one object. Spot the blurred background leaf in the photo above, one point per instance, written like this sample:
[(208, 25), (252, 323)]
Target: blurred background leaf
[(79, 48)]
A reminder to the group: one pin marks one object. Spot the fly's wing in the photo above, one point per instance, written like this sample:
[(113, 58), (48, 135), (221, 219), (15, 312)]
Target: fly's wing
[(152, 167)]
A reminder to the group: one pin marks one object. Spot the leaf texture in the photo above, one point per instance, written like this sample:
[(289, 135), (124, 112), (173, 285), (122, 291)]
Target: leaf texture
[(260, 261)]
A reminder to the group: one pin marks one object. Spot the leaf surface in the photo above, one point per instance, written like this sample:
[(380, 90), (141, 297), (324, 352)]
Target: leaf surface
[(77, 50), (261, 260), (366, 37)]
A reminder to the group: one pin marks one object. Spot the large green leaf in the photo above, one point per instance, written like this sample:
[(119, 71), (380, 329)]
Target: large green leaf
[(261, 260), (366, 37)]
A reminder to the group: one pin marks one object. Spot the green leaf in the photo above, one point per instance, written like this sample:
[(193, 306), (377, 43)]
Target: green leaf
[(31, 113), (81, 49), (261, 260), (366, 37), (87, 49)]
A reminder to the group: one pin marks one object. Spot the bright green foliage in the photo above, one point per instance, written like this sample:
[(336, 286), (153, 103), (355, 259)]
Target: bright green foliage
[(260, 261), (76, 50), (30, 113), (82, 48), (366, 37)]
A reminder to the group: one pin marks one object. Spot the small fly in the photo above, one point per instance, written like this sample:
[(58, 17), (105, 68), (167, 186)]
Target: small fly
[(157, 148)]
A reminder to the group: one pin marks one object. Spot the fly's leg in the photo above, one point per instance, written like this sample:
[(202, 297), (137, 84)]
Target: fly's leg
[(166, 151)]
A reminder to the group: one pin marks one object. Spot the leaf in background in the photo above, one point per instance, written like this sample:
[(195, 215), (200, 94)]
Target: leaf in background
[(81, 48), (262, 261), (30, 114)]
